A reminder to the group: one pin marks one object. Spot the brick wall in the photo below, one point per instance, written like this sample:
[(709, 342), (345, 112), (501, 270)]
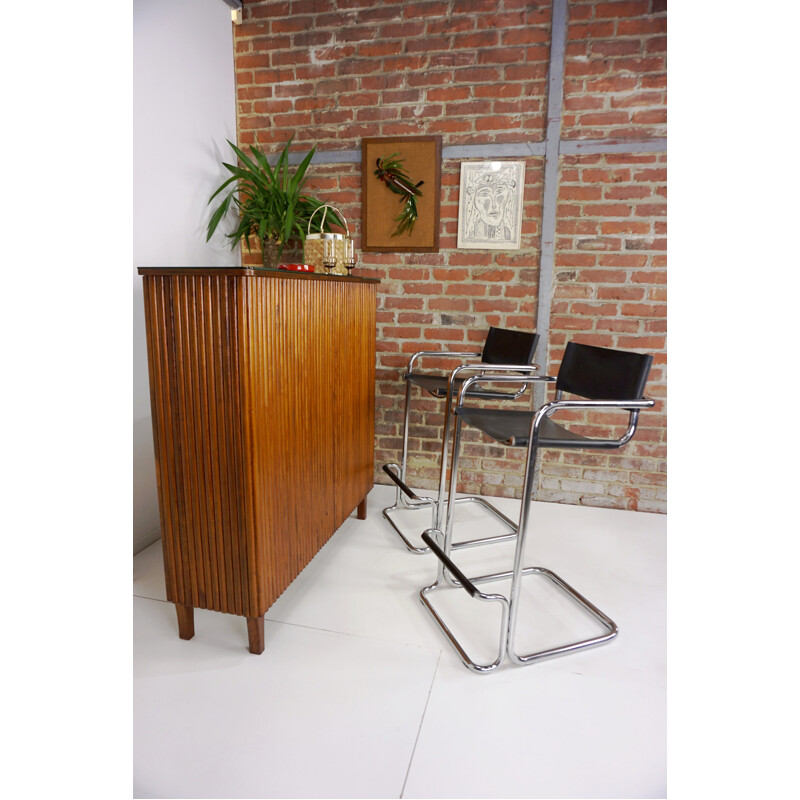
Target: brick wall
[(616, 72), (610, 290), (332, 72)]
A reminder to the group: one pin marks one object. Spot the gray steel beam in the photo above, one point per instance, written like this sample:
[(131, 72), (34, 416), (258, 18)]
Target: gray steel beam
[(555, 97)]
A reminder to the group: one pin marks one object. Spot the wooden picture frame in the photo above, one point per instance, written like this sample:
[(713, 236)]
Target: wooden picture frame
[(422, 161)]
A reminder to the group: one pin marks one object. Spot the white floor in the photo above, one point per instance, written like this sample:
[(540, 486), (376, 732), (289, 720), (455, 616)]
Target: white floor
[(358, 693)]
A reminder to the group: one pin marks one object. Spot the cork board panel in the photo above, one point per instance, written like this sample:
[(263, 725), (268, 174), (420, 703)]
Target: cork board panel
[(422, 161)]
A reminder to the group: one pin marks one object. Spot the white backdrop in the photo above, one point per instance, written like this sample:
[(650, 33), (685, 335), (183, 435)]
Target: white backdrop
[(184, 109)]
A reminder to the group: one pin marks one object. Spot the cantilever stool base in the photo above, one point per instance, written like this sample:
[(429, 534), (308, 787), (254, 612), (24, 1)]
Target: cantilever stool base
[(506, 645), (416, 503)]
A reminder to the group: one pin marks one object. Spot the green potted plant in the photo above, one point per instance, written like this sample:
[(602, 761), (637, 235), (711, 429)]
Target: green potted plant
[(271, 207)]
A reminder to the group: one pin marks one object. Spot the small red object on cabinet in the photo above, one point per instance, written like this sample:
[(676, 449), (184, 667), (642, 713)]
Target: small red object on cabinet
[(296, 267)]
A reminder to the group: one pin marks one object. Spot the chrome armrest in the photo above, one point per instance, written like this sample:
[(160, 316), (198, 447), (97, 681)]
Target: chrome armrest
[(442, 353), (628, 405), (632, 406), (488, 376)]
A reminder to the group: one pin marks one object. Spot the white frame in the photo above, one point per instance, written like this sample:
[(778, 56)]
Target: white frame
[(474, 232)]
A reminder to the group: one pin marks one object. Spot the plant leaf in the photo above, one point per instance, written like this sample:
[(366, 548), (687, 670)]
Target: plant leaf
[(218, 215)]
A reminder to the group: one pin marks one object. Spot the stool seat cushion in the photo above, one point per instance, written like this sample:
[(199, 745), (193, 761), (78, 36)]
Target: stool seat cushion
[(514, 427), (437, 386)]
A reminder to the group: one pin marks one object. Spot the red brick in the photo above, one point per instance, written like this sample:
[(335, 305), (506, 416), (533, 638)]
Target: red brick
[(415, 112), (575, 260), (622, 260), (605, 175), (608, 210), (638, 99), (643, 310), (619, 293), (253, 61), (403, 302), (632, 8), (571, 323), (626, 192), (523, 72), (590, 30), (422, 288), (466, 289), (584, 102), (402, 30), (567, 192), (651, 210), (651, 276), (605, 118), (505, 55), (474, 41), (598, 275), (615, 47), (641, 65), (624, 226), (573, 68), (430, 78), (450, 93), (642, 26), (289, 25), (614, 83), (453, 24), (594, 309), (416, 10), (447, 334)]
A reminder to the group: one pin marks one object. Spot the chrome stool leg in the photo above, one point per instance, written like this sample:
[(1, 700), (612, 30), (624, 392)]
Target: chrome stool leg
[(453, 501), (473, 591), (518, 572), (416, 502), (450, 576), (405, 498)]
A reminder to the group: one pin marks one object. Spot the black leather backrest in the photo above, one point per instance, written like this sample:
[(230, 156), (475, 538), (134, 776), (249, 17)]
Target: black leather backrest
[(509, 347), (599, 373)]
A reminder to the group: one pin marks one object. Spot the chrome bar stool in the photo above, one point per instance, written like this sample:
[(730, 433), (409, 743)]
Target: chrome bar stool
[(601, 378), (503, 350)]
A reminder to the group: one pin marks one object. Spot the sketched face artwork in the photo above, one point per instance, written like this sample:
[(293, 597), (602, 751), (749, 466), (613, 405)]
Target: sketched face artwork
[(490, 205), (491, 201)]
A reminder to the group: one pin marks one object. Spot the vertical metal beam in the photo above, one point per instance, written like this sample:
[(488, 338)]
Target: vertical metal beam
[(555, 97), (555, 100)]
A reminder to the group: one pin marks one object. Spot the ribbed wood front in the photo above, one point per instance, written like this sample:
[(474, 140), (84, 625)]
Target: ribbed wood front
[(263, 396)]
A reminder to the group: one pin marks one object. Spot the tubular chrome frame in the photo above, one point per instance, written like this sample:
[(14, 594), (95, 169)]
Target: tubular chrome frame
[(405, 498), (448, 574)]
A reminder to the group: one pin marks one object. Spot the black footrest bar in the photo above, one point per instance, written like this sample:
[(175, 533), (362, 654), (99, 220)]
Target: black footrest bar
[(465, 582), (401, 484)]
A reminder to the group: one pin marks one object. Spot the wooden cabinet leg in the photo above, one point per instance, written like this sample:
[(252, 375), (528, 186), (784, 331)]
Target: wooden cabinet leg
[(361, 511), (185, 621), (255, 633)]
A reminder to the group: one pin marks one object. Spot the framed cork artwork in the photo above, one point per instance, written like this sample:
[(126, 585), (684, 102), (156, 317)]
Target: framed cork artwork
[(401, 180)]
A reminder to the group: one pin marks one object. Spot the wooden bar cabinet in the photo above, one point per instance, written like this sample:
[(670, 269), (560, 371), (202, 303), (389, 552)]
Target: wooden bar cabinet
[(262, 386)]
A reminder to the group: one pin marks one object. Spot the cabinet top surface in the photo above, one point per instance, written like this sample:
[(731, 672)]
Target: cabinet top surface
[(258, 272)]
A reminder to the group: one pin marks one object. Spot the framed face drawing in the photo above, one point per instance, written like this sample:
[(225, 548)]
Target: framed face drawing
[(490, 204)]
